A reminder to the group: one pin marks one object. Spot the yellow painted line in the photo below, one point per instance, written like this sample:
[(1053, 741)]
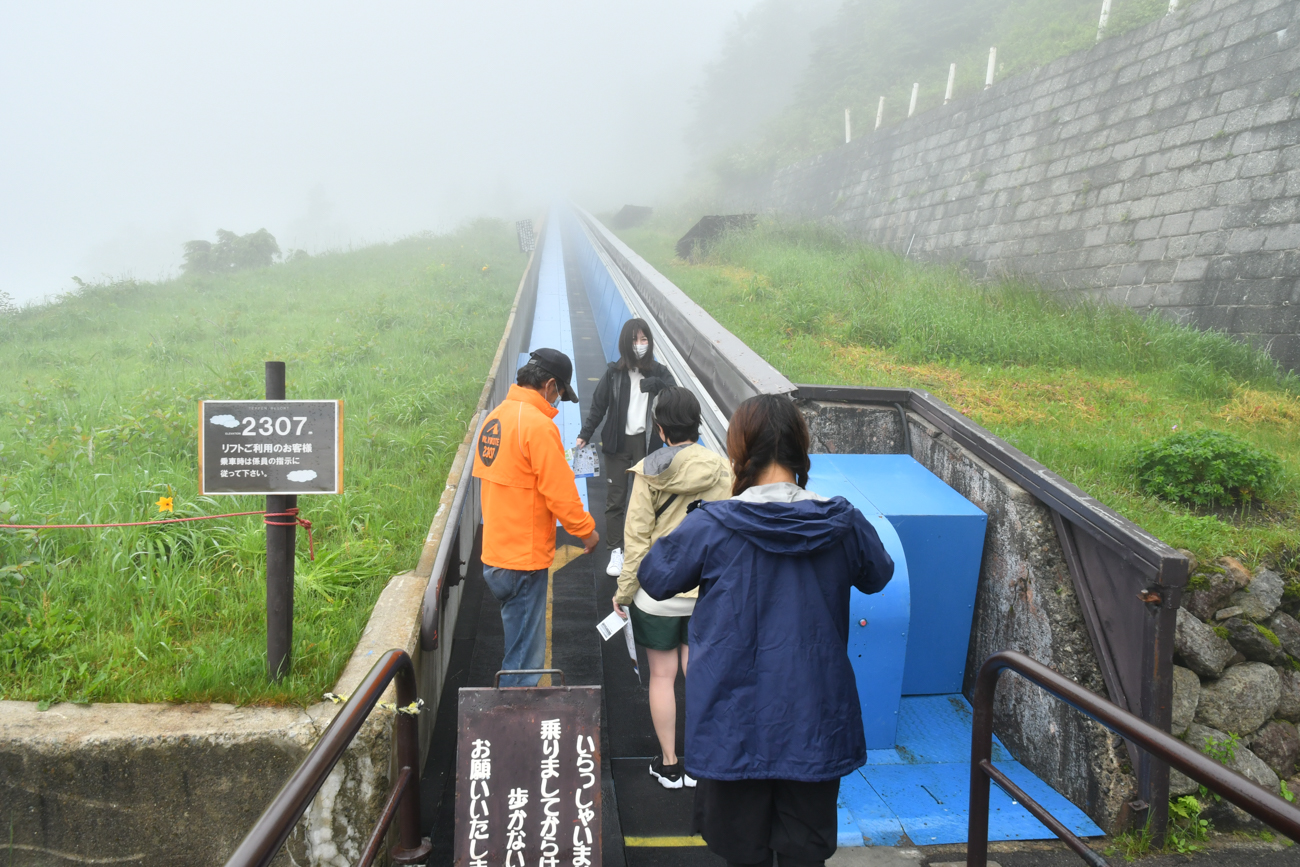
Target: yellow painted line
[(564, 555), (664, 842)]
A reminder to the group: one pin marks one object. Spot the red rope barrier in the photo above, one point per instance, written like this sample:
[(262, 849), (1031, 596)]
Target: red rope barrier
[(295, 522), (291, 513)]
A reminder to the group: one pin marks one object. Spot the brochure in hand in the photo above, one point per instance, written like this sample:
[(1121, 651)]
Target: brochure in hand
[(585, 461)]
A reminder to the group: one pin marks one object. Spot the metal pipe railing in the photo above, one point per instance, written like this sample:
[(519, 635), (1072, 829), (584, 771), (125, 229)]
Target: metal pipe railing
[(1223, 781), (272, 829)]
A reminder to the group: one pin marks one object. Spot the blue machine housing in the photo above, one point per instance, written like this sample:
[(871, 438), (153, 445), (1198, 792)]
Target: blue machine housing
[(910, 639)]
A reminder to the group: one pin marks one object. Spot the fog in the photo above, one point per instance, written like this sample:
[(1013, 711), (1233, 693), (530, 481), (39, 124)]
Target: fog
[(127, 130)]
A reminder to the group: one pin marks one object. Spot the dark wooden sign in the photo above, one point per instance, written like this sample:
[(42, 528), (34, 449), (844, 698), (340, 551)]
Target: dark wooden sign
[(270, 447), (528, 777)]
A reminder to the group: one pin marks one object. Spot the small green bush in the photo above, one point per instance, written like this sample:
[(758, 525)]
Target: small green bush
[(1206, 468)]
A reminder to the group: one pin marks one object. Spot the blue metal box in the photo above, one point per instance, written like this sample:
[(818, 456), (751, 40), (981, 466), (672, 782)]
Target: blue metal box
[(943, 535)]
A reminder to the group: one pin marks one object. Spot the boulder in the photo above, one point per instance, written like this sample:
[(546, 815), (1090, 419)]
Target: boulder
[(1203, 652), (1233, 569), (1180, 784), (1187, 692), (1240, 759), (1211, 593), (1288, 706), (1230, 611), (1287, 630), (1255, 643), (1261, 597), (1242, 700), (1278, 744)]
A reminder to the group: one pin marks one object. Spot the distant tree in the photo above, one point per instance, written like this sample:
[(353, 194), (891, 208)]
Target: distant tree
[(7, 305), (231, 252)]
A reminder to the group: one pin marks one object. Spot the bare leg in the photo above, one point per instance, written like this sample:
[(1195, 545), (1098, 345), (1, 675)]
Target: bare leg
[(663, 701)]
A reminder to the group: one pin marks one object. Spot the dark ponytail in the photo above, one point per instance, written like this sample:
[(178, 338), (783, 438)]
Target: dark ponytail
[(764, 430)]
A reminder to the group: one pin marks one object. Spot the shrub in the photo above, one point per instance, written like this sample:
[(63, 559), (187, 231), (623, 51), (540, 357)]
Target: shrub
[(231, 252), (1206, 468)]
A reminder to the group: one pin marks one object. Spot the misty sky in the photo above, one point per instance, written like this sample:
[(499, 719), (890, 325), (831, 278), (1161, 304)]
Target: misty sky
[(126, 129)]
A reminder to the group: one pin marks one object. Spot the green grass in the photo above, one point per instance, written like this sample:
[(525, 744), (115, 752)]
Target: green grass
[(1079, 388), (98, 420)]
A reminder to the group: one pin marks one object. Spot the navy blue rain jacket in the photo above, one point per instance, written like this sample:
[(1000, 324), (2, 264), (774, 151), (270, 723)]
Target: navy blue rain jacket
[(770, 692)]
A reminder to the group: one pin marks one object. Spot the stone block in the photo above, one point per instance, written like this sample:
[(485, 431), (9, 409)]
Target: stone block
[(1153, 249), (1146, 229), (1187, 693), (1200, 649), (1232, 192), (1256, 164), (1191, 269), (1242, 700), (1206, 220), (1283, 238)]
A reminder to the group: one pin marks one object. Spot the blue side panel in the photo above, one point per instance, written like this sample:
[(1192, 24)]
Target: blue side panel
[(943, 535), (874, 822), (607, 304), (552, 328), (878, 623)]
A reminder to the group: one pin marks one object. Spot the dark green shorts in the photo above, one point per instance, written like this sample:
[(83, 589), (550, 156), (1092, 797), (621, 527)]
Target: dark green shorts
[(657, 632)]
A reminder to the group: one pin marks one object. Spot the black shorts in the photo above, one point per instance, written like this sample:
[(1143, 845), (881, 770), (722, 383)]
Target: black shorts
[(745, 821), (656, 631)]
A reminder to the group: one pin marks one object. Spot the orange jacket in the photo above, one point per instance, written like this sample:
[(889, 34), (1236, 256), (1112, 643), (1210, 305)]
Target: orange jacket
[(526, 484)]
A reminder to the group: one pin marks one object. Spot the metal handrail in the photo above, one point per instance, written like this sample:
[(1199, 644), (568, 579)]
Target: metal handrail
[(272, 829), (1223, 781)]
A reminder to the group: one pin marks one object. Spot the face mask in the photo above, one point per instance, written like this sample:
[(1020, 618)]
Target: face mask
[(641, 349), (558, 394)]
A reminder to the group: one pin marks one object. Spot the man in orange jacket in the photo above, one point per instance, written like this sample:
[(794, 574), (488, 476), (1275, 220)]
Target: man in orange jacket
[(526, 485)]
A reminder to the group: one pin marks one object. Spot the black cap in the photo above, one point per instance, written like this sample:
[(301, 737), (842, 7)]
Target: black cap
[(557, 364)]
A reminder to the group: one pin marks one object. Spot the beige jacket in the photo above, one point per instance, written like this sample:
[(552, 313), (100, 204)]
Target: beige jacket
[(681, 474)]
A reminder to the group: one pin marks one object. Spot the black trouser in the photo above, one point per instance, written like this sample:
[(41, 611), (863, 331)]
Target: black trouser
[(616, 467), (745, 821)]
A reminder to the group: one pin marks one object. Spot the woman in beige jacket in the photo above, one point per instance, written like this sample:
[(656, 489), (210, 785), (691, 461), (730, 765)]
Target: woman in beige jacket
[(664, 484)]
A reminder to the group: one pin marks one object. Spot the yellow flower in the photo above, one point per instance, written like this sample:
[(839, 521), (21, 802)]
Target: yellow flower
[(164, 504), (485, 267)]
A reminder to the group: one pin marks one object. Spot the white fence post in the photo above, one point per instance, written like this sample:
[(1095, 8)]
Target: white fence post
[(952, 77), (993, 59), (848, 128), (1105, 16), (911, 108), (880, 112)]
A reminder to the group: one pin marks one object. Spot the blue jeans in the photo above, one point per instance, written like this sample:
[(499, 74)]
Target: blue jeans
[(523, 617)]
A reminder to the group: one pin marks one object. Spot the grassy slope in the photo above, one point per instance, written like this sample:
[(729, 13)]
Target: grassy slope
[(1077, 388), (97, 420)]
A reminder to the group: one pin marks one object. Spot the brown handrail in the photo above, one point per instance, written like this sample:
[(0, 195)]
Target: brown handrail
[(1246, 794), (270, 831)]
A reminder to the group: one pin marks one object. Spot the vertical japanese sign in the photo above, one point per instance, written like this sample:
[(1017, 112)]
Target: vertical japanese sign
[(528, 777)]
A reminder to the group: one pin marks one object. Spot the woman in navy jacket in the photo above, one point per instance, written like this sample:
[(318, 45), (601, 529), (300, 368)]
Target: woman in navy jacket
[(773, 719)]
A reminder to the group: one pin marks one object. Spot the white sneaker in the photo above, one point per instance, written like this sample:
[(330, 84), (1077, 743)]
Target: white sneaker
[(615, 563)]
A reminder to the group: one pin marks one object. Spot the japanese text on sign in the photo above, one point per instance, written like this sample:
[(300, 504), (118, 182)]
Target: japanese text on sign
[(270, 447), (527, 788)]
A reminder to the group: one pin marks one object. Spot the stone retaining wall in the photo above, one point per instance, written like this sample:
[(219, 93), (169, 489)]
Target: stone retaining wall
[(1159, 169)]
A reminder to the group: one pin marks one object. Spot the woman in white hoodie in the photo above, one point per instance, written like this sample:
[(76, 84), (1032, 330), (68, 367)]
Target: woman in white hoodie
[(664, 485)]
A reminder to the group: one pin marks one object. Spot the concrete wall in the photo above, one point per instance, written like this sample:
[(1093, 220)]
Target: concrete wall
[(1159, 169), (1025, 602)]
